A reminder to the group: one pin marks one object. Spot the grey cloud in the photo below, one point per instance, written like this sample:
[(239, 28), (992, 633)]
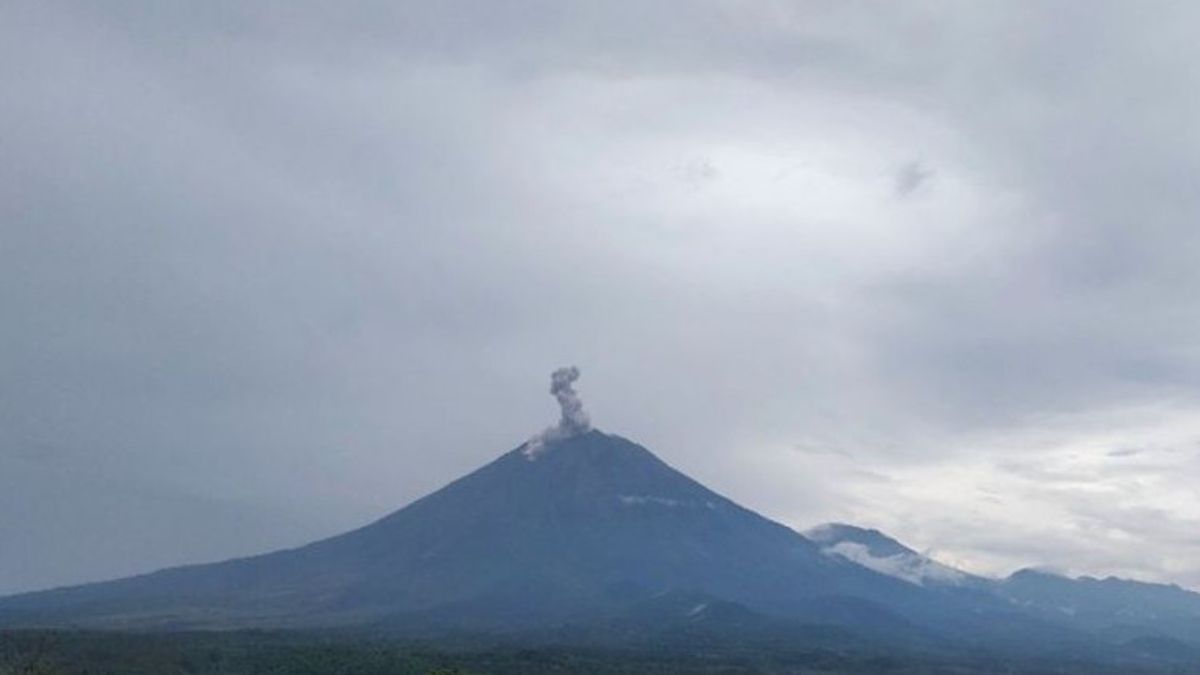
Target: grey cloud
[(910, 177), (312, 263)]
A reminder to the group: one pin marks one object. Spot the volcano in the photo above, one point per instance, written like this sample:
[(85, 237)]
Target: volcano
[(590, 538), (581, 529), (586, 537)]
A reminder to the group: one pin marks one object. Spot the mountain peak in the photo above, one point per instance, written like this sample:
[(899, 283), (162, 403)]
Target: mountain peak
[(1040, 572), (877, 543), (878, 552)]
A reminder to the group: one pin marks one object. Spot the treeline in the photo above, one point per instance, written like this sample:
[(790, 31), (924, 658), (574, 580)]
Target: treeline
[(258, 653)]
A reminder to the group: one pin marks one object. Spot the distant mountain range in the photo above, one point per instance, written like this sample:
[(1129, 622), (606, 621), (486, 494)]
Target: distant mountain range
[(1111, 606), (593, 539)]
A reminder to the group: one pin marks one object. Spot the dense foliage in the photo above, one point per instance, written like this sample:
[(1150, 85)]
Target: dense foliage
[(257, 653)]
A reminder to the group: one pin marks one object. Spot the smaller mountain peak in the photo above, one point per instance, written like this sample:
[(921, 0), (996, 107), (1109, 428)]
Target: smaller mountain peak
[(878, 552), (1039, 572), (875, 541)]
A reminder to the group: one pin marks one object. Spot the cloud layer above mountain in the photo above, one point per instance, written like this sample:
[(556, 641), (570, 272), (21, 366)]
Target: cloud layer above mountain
[(271, 269)]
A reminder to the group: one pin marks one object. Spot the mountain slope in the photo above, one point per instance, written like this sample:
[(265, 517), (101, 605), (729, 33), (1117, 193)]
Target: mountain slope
[(583, 527)]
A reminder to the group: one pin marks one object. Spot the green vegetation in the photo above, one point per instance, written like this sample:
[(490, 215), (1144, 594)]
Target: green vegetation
[(260, 653)]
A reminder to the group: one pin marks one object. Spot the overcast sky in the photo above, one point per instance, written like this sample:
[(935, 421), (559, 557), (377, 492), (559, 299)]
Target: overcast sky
[(271, 270)]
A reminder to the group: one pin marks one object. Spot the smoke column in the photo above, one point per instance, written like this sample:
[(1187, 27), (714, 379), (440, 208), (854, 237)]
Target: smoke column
[(574, 419)]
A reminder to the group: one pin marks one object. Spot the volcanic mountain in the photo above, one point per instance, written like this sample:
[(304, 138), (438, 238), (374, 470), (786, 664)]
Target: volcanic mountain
[(590, 538), (552, 532), (586, 536)]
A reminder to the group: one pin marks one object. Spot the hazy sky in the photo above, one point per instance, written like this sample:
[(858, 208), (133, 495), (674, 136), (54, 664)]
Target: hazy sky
[(270, 270)]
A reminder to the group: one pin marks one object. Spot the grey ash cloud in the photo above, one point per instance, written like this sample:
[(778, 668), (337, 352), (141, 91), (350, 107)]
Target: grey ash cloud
[(272, 269), (574, 419)]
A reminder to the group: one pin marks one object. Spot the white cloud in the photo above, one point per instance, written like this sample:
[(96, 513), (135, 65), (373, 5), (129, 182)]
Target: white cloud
[(1051, 494), (912, 568)]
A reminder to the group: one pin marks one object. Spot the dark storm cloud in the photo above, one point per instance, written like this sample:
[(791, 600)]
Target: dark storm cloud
[(289, 267)]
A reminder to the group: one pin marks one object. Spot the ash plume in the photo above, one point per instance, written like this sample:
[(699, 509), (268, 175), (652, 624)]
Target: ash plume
[(573, 421)]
